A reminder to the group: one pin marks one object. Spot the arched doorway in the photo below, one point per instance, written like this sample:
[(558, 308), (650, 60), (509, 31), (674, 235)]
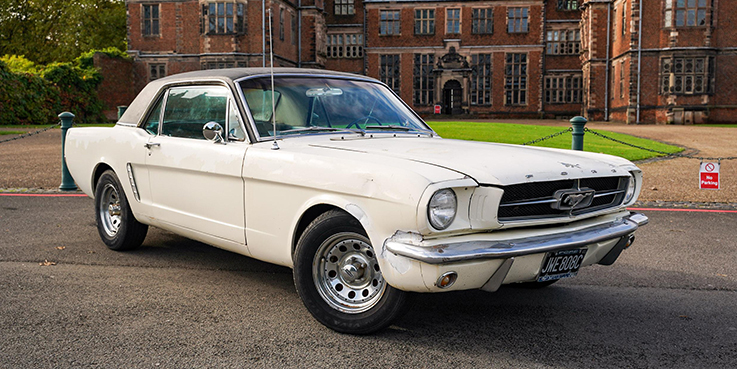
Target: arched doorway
[(452, 97)]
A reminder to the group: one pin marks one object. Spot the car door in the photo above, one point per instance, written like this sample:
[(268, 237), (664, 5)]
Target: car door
[(196, 184)]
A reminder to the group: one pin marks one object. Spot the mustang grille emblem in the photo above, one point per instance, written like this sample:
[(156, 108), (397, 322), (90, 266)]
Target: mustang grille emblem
[(573, 199)]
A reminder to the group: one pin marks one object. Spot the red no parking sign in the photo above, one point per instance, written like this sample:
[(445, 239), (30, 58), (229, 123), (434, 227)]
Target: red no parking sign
[(709, 176)]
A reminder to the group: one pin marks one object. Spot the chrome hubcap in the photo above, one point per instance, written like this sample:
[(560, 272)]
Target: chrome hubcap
[(110, 210), (347, 274)]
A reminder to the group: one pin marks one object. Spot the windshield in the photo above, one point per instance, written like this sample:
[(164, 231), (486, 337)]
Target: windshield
[(308, 105)]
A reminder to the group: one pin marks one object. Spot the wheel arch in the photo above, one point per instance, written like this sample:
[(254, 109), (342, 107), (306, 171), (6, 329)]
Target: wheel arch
[(307, 217), (97, 173)]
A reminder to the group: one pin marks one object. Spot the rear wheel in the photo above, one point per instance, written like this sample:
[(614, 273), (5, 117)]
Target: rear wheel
[(117, 226), (338, 278)]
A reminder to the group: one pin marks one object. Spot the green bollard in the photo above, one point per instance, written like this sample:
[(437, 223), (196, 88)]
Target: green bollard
[(67, 182), (578, 123)]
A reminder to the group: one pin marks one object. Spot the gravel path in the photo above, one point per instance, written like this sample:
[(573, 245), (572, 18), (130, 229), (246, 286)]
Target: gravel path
[(34, 162)]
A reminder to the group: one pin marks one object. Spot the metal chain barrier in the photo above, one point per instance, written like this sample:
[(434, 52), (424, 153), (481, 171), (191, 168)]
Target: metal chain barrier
[(29, 134), (657, 151), (556, 134)]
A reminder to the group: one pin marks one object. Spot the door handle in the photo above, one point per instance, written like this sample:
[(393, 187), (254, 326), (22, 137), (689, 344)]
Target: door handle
[(149, 145)]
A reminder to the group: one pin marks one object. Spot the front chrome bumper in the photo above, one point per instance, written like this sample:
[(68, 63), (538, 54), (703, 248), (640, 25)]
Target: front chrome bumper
[(477, 250)]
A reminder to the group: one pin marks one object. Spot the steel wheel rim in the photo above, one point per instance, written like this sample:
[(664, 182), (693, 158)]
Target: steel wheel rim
[(110, 211), (346, 273)]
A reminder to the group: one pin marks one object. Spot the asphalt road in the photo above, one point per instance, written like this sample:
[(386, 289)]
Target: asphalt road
[(669, 301)]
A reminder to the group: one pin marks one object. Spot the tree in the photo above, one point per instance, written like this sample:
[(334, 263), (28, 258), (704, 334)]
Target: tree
[(47, 31)]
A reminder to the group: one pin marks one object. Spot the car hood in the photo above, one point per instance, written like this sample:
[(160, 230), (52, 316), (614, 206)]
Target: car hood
[(487, 163)]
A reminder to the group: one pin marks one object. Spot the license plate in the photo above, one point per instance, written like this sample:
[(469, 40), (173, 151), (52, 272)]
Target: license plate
[(561, 264)]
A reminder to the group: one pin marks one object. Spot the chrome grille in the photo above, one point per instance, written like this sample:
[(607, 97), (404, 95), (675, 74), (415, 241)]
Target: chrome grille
[(537, 200)]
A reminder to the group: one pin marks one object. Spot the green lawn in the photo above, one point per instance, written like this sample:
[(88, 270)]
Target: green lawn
[(719, 125), (12, 132), (35, 127), (520, 133)]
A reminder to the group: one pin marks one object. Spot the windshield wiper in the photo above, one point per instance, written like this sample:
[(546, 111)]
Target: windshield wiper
[(313, 129), (394, 127)]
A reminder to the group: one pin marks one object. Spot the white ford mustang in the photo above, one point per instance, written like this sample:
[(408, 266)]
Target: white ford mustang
[(331, 174)]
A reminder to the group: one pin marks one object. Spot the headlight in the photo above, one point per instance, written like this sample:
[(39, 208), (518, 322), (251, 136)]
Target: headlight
[(630, 189), (442, 209)]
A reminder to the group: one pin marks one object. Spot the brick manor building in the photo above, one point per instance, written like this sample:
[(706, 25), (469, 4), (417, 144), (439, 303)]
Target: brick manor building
[(499, 58)]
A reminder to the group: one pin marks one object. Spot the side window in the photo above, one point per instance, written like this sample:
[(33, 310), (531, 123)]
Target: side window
[(152, 123), (188, 109), (235, 125)]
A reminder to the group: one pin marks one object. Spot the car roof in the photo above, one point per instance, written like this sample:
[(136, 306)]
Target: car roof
[(138, 107)]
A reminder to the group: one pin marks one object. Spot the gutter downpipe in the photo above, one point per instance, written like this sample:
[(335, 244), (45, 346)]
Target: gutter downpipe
[(263, 33), (639, 63), (608, 62), (299, 35), (365, 41)]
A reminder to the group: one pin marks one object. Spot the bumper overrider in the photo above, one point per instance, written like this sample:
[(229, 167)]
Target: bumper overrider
[(516, 259)]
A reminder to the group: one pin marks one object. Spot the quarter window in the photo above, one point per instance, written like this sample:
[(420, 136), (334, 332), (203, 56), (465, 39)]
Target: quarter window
[(685, 13), (389, 22), (517, 19), (483, 21), (151, 20), (515, 84), (188, 109), (425, 21), (453, 21)]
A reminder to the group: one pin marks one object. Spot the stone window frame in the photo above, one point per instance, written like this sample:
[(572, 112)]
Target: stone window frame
[(156, 71), (390, 22), (621, 79), (624, 19), (518, 19), (427, 19), (344, 7), (568, 5), (563, 88), (423, 93), (558, 41), (487, 20), (675, 10), (516, 78), (151, 21), (453, 25), (481, 81), (348, 45), (390, 71), (671, 75), (211, 22)]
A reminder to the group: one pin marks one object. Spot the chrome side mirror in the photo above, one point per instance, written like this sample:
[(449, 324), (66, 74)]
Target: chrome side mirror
[(213, 131)]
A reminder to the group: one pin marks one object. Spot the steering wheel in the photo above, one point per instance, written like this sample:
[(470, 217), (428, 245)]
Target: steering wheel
[(366, 118)]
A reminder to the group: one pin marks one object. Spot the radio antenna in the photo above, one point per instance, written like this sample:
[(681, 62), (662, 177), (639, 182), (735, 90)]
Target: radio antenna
[(274, 146)]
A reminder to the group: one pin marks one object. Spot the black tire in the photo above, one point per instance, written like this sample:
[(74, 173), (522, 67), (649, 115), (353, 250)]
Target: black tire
[(117, 226), (334, 251), (534, 285)]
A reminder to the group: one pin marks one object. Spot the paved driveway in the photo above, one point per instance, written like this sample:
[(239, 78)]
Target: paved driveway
[(669, 301)]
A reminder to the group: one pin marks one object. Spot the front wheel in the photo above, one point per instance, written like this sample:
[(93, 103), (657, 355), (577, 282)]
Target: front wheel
[(118, 228), (338, 278)]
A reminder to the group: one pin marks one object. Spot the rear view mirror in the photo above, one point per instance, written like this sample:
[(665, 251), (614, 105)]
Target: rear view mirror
[(213, 131)]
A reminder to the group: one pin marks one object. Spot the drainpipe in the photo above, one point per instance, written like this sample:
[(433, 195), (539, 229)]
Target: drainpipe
[(365, 41), (639, 63), (263, 33), (608, 62), (299, 35)]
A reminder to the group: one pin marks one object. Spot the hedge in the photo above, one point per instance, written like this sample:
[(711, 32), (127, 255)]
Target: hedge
[(31, 94)]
